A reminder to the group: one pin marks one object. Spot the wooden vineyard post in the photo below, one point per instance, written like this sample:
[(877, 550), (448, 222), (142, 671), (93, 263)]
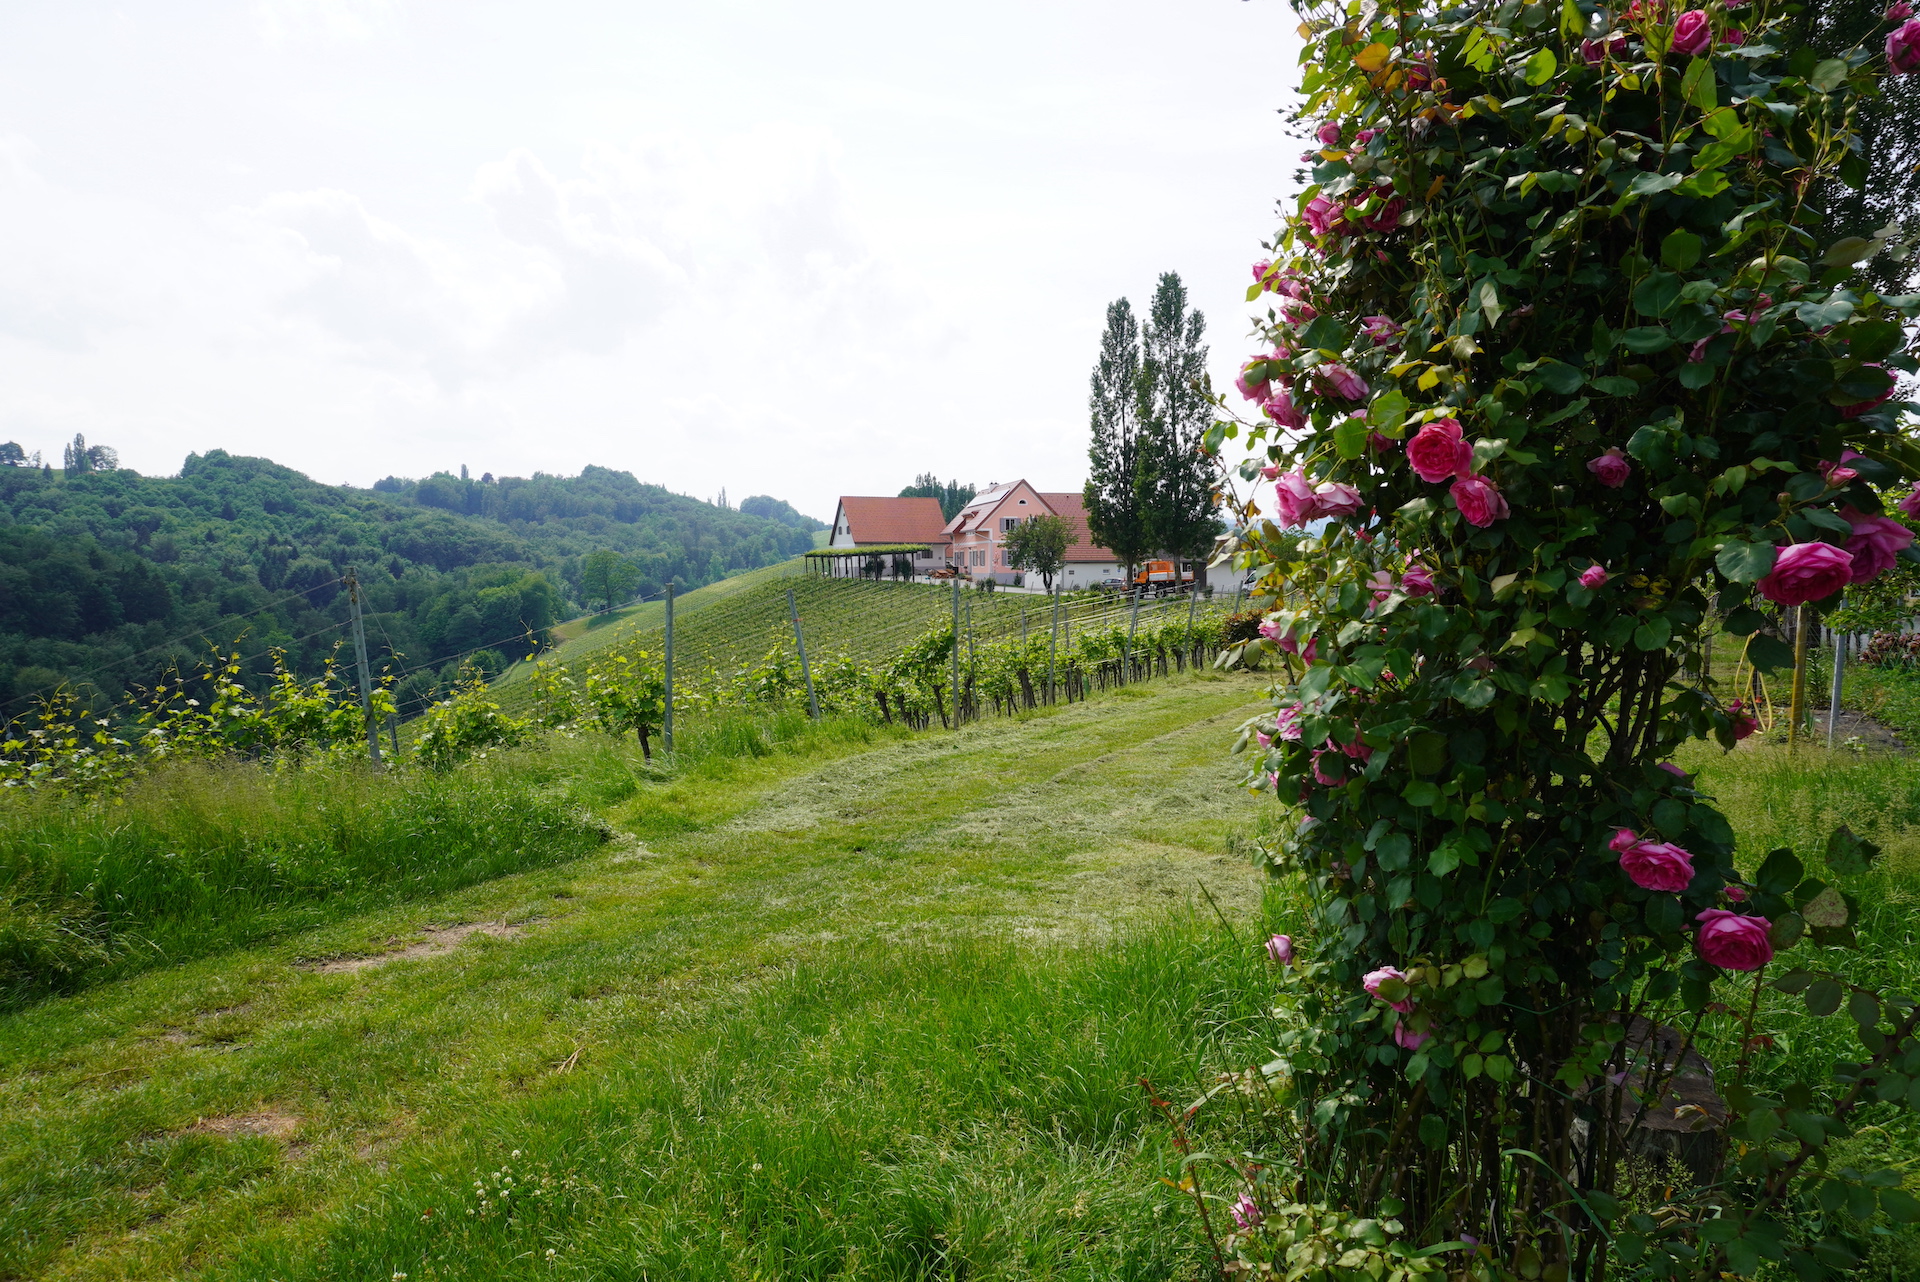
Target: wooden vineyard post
[(800, 642), (1833, 696), (666, 715), (1796, 705), (366, 678), (953, 685), (1126, 655), (1053, 644)]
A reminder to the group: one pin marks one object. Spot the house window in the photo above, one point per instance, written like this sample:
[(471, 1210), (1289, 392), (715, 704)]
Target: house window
[(979, 556), (1009, 523)]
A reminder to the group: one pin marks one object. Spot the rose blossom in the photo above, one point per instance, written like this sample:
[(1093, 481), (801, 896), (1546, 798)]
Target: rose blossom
[(1280, 408), (1624, 839), (1321, 215), (1594, 577), (1365, 136), (1294, 498), (1371, 982), (1612, 468), (1903, 48), (1254, 391), (1738, 894), (1692, 33), (1336, 499), (1329, 135), (1260, 270), (1839, 474), (1858, 408), (1341, 381), (1658, 865), (1329, 780), (1674, 770), (1385, 218), (1899, 11), (1280, 948), (1309, 654), (1439, 451), (1376, 442), (1806, 572), (1911, 503), (1876, 542), (1733, 941), (1595, 51), (1406, 1039), (1286, 721), (1246, 1212), (1479, 501), (1744, 726), (1418, 581), (1380, 330)]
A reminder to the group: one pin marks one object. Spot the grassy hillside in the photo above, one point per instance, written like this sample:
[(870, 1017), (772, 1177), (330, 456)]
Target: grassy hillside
[(735, 621), (108, 578)]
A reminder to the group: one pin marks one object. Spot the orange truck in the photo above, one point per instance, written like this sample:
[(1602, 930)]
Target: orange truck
[(1160, 577)]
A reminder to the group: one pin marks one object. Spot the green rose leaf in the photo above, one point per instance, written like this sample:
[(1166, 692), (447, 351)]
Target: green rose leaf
[(1823, 998), (1681, 249), (1350, 437), (1849, 855), (1745, 563), (1656, 295), (1560, 377), (1541, 66), (1646, 339), (1615, 385), (1829, 75)]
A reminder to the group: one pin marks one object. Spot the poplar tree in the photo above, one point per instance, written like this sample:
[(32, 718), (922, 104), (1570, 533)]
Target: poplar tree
[(1115, 497), (1174, 411)]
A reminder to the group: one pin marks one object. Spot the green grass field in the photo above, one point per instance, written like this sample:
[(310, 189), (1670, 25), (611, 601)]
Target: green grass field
[(847, 1001), (870, 1004)]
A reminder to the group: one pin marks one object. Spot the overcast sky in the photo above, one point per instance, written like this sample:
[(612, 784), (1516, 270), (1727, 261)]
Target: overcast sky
[(784, 248)]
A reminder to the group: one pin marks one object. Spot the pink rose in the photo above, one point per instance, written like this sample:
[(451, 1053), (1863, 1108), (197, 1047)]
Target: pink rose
[(1385, 218), (1624, 839), (1911, 503), (1365, 136), (1372, 980), (1260, 270), (1744, 726), (1479, 501), (1738, 894), (1858, 408), (1320, 773), (1406, 1039), (1341, 381), (1297, 311), (1839, 474), (1595, 51), (1806, 572), (1254, 391), (1309, 654), (1280, 408), (1246, 1213), (1286, 721), (1734, 35), (1674, 770), (1692, 33), (1335, 499), (1899, 11), (1612, 468), (1381, 331), (1280, 948), (1733, 941), (1377, 442), (1903, 48), (1876, 543), (1272, 629), (1294, 498), (1321, 214), (1594, 577), (1418, 582), (1328, 134), (1357, 749), (1658, 865), (1439, 451)]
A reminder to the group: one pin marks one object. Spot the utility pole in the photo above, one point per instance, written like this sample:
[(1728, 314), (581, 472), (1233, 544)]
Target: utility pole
[(666, 716), (366, 677), (955, 681), (806, 674), (1833, 699)]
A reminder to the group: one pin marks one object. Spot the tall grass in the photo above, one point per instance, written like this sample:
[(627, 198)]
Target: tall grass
[(197, 857)]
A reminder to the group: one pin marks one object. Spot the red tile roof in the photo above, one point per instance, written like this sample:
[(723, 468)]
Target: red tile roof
[(1073, 511), (884, 520)]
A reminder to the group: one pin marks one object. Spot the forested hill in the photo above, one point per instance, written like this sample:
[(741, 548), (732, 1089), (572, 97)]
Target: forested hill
[(108, 577)]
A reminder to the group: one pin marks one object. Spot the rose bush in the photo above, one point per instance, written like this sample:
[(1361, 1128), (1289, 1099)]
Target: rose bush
[(1619, 340)]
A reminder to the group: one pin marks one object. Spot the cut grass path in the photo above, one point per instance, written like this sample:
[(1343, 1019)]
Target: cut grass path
[(859, 1011)]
